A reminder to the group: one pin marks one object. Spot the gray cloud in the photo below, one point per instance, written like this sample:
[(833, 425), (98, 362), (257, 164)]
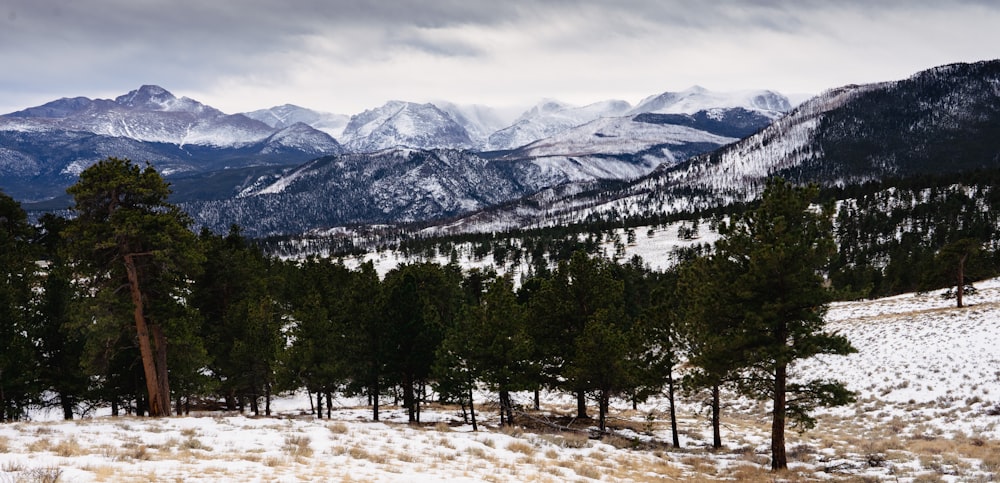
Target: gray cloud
[(351, 51)]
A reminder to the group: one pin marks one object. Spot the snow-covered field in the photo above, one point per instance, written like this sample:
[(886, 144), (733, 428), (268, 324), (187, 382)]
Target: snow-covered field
[(927, 376)]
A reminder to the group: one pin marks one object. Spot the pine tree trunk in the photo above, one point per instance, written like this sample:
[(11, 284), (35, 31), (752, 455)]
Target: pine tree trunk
[(581, 405), (673, 408), (538, 400), (67, 406), (329, 405), (509, 408), (716, 419), (603, 410), (960, 291), (506, 413), (374, 396), (408, 403), (472, 407), (160, 350), (779, 460), (153, 386)]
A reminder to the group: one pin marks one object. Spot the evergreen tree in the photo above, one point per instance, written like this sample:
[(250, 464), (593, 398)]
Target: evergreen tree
[(779, 251), (368, 341), (659, 328), (953, 260), (322, 312), (507, 346), (242, 318), (420, 301), (18, 366), (60, 342), (709, 321), (455, 365), (603, 360), (561, 305), (127, 234)]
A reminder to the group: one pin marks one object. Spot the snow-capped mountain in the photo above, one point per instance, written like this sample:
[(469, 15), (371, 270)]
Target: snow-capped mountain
[(549, 118), (937, 122), (280, 117), (696, 99), (942, 120), (148, 114), (478, 120), (404, 124), (44, 148), (302, 138)]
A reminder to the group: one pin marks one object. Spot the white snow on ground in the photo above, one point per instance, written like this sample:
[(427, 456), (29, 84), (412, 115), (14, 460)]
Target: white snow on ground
[(927, 376)]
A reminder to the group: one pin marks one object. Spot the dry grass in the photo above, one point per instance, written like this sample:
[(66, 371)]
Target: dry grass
[(39, 446), (68, 448), (338, 427), (298, 446), (360, 453), (523, 447), (568, 439), (193, 444), (138, 452), (103, 472), (873, 441)]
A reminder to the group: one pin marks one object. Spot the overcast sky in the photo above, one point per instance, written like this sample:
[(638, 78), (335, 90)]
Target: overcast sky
[(345, 56)]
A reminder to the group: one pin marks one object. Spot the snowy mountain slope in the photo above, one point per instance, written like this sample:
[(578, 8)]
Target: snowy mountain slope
[(609, 149), (404, 124), (478, 121), (859, 133), (302, 138), (620, 135), (697, 99), (280, 117), (397, 185), (942, 120), (44, 148), (783, 144), (148, 114), (548, 118)]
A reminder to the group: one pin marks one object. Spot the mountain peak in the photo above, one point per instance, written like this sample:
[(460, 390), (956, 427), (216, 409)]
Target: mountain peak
[(697, 98), (399, 123), (156, 98), (147, 96)]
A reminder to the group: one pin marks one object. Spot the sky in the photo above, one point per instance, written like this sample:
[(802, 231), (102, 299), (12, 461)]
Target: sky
[(345, 56)]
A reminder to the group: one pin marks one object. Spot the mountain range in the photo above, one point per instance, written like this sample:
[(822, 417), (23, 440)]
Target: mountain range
[(214, 159), (941, 121), (405, 162)]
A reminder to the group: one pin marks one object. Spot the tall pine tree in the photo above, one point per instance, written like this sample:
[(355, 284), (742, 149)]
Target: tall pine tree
[(779, 251), (126, 234)]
